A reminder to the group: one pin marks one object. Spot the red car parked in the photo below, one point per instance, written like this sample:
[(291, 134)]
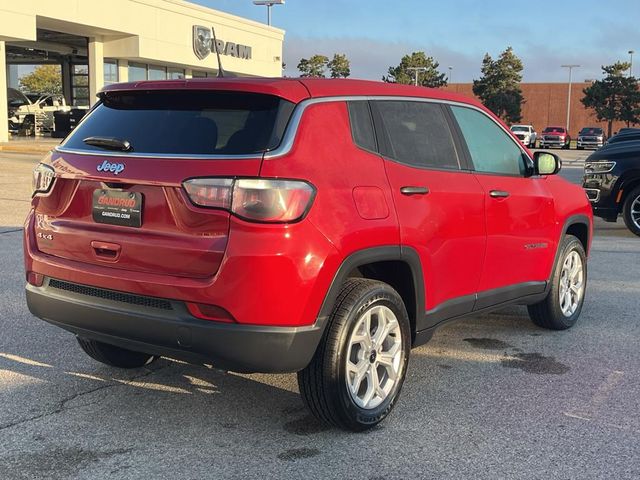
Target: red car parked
[(280, 225)]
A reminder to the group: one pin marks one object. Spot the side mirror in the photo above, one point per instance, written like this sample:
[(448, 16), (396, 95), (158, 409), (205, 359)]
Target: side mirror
[(545, 163)]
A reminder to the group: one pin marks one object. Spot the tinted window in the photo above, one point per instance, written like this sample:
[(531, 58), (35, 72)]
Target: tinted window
[(187, 122), (590, 131), (491, 149), (361, 125), (418, 134)]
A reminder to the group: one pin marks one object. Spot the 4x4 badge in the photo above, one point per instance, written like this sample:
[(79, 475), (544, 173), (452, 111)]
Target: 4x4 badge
[(114, 168)]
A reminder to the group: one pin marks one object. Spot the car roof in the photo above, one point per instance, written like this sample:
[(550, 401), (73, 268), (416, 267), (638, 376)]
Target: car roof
[(295, 89)]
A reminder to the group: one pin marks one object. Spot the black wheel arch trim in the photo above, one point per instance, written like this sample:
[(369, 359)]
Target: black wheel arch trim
[(570, 221), (367, 256)]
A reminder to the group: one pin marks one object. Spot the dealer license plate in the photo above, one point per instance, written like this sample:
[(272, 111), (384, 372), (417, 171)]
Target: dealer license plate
[(117, 207)]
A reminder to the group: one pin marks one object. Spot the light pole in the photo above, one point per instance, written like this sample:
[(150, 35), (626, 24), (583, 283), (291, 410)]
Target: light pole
[(268, 4), (631, 52), (570, 67), (450, 74), (416, 70)]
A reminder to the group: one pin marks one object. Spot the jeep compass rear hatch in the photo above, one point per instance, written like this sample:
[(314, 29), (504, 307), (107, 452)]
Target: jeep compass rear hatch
[(118, 197)]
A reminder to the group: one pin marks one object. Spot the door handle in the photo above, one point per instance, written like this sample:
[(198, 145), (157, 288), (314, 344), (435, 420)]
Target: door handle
[(498, 194), (411, 190), (108, 252)]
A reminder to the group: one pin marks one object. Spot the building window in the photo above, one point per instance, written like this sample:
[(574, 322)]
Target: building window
[(137, 72), (80, 85), (175, 73), (199, 74), (156, 73), (110, 72)]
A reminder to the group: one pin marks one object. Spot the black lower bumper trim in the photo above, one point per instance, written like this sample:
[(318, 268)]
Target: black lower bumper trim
[(175, 333)]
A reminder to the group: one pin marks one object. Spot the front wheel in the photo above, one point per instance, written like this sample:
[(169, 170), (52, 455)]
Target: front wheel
[(631, 211), (562, 306), (356, 374)]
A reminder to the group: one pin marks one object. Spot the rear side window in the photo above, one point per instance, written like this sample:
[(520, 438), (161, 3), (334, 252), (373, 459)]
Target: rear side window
[(187, 122), (362, 125), (492, 150), (417, 134)]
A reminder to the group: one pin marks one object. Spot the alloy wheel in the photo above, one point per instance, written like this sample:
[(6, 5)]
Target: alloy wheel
[(374, 357), (571, 284), (635, 212)]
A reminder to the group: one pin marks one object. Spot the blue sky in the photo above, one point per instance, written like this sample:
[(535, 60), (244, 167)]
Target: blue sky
[(375, 34)]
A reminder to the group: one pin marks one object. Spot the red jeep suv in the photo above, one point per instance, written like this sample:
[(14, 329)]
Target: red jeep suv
[(323, 227)]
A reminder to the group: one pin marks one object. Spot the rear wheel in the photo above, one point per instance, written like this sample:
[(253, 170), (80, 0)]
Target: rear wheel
[(114, 356), (356, 374), (562, 306), (631, 211)]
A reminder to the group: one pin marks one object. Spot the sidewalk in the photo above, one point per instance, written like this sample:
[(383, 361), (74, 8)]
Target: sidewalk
[(38, 145)]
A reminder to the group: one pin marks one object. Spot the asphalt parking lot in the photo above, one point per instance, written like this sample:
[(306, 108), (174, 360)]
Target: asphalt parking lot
[(489, 397)]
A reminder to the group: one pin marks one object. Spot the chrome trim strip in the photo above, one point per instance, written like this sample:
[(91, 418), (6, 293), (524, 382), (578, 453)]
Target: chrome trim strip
[(596, 199), (292, 129)]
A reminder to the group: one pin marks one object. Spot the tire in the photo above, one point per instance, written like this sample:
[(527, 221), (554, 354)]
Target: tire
[(115, 356), (631, 211), (324, 382), (550, 312)]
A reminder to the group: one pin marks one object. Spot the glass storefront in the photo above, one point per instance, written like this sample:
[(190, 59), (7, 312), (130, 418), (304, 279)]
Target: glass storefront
[(110, 72), (80, 85), (175, 73), (137, 72)]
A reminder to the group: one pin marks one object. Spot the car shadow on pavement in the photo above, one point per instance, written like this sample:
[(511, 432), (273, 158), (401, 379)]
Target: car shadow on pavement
[(186, 396)]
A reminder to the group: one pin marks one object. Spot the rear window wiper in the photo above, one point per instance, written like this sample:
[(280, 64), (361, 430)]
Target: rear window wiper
[(109, 143)]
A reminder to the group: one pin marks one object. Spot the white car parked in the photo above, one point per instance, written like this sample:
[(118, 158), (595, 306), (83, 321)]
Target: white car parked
[(41, 107), (526, 134)]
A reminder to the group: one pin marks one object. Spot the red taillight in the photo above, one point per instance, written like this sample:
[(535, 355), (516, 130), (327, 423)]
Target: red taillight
[(210, 192), (43, 176), (253, 199), (210, 312)]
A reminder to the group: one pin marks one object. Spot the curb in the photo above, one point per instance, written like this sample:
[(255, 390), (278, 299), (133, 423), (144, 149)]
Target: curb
[(35, 150)]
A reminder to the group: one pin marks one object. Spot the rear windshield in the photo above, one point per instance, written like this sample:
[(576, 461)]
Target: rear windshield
[(590, 131), (518, 128), (186, 122)]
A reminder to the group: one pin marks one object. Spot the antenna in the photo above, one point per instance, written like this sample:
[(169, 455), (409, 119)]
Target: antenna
[(215, 46)]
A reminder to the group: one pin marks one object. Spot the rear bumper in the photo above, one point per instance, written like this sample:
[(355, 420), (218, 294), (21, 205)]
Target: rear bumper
[(170, 330)]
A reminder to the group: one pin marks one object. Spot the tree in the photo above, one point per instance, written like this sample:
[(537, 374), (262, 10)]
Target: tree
[(315, 66), (44, 79), (339, 66), (430, 77), (499, 86), (615, 97)]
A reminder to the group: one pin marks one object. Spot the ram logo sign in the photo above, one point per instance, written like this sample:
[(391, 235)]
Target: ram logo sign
[(203, 45)]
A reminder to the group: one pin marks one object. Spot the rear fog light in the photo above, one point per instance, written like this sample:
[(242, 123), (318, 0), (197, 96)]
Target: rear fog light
[(210, 312)]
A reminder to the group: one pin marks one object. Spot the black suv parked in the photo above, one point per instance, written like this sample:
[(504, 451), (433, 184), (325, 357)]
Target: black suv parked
[(627, 135), (612, 183)]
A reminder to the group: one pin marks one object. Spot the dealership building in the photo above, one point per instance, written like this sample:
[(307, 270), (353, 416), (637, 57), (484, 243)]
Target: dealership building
[(96, 43)]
